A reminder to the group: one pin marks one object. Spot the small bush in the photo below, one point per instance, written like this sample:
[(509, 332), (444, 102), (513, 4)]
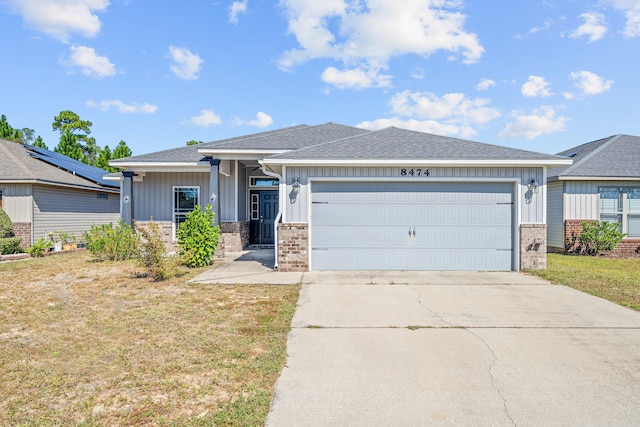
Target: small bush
[(600, 236), (198, 237), (153, 254), (6, 226), (109, 242), (38, 249), (10, 245)]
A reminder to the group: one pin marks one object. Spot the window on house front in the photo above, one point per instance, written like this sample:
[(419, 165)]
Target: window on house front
[(621, 205), (185, 200)]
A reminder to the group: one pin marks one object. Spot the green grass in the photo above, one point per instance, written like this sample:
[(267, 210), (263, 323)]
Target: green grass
[(86, 343), (614, 279)]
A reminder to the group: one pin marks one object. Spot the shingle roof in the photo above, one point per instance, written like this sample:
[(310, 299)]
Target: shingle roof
[(18, 163), (615, 156), (394, 143), (290, 138)]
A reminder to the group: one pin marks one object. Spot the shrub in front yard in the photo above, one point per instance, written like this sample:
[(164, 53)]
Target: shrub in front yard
[(198, 237), (9, 244), (109, 242), (598, 236), (153, 254), (39, 248)]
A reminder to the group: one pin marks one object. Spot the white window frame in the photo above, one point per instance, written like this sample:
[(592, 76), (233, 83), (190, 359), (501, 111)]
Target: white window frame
[(174, 210), (623, 210)]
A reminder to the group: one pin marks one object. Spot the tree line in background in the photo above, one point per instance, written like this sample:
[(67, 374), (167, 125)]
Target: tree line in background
[(75, 141)]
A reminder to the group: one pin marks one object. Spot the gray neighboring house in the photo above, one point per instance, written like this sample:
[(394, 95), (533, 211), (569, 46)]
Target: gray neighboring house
[(603, 183), (43, 191), (331, 197)]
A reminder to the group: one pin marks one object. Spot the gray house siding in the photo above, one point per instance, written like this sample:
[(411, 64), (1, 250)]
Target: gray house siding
[(70, 210), (17, 202), (581, 198), (153, 197), (531, 210), (243, 196), (227, 195), (555, 219)]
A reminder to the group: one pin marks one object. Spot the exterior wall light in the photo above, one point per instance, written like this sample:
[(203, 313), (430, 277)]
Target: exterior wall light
[(295, 189), (533, 186)]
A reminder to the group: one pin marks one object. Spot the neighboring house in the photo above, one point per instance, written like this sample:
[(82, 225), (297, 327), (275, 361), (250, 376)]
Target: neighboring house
[(331, 197), (603, 183), (43, 192)]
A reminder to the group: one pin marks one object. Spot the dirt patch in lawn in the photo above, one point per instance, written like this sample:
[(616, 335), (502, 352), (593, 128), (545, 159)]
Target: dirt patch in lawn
[(93, 343)]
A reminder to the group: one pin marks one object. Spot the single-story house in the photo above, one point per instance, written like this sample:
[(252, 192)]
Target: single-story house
[(43, 191), (603, 183), (331, 197)]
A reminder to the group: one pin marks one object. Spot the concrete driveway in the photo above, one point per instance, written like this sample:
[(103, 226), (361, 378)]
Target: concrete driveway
[(476, 349)]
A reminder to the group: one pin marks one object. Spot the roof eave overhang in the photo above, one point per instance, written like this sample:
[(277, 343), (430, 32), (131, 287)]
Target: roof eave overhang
[(419, 162), (61, 184), (594, 178), (163, 166), (239, 154)]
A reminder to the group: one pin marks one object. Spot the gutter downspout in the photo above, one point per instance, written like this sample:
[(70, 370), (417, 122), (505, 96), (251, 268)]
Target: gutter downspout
[(281, 182)]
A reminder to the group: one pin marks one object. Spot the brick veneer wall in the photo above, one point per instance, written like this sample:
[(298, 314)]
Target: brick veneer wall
[(293, 247), (23, 230), (166, 229), (235, 235), (533, 246), (628, 247)]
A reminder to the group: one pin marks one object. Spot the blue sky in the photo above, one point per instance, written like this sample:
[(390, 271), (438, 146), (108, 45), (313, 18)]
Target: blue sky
[(542, 75)]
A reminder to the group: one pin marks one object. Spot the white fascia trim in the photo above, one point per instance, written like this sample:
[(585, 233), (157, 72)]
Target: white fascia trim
[(164, 167), (259, 153), (398, 162), (597, 178), (113, 178)]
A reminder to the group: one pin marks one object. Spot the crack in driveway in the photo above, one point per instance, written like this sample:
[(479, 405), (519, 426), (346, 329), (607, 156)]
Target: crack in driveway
[(429, 309)]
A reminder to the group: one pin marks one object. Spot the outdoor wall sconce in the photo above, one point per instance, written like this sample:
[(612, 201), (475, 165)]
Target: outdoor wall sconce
[(213, 197), (533, 186), (295, 189)]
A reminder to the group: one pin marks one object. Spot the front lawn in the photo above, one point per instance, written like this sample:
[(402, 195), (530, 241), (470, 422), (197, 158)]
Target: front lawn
[(617, 280), (85, 343)]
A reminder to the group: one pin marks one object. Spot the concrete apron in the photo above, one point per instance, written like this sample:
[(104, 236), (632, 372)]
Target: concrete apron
[(440, 348)]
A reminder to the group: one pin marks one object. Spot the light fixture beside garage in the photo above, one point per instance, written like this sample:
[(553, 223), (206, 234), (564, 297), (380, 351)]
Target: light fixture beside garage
[(295, 189), (533, 186)]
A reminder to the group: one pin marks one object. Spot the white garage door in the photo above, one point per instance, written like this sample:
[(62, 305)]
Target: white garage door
[(411, 226)]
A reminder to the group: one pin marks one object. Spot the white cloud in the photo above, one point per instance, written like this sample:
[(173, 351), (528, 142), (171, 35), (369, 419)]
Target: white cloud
[(590, 83), (356, 78), (540, 121), (594, 27), (186, 64), (237, 8), (123, 108), (262, 120), (485, 84), (568, 95), (61, 18), (90, 63), (536, 86), (418, 73), (428, 126), (547, 24), (206, 118), (366, 34), (631, 9)]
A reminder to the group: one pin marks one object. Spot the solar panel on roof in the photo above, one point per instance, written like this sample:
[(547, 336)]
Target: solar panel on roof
[(572, 154), (70, 165)]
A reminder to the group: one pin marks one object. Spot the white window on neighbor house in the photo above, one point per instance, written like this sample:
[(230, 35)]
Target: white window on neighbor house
[(621, 205), (185, 200)]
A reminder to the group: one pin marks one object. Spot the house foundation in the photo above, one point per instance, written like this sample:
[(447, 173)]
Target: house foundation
[(533, 246), (235, 235), (293, 247), (23, 230)]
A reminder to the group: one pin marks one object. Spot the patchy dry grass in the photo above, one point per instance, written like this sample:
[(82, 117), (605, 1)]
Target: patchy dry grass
[(84, 343), (614, 279)]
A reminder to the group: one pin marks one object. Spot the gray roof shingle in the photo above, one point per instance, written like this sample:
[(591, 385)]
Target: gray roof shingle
[(615, 156), (394, 143), (18, 164)]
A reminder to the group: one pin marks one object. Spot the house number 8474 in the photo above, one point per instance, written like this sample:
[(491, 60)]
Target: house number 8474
[(414, 172)]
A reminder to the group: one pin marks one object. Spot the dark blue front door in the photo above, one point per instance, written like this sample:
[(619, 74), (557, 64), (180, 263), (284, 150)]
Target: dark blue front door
[(262, 219)]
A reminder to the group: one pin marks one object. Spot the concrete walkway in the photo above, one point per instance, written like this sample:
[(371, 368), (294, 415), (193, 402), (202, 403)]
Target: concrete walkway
[(463, 349)]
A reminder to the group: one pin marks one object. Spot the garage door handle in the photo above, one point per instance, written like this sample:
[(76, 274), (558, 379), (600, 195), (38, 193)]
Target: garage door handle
[(412, 233)]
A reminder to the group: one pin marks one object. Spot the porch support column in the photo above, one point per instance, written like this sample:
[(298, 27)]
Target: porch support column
[(214, 189), (126, 199)]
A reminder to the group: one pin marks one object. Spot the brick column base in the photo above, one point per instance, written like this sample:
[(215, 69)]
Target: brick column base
[(235, 235), (23, 230), (533, 246), (293, 247), (166, 229)]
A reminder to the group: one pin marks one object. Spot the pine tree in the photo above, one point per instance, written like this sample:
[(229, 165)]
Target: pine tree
[(103, 160), (69, 146), (121, 151), (40, 143)]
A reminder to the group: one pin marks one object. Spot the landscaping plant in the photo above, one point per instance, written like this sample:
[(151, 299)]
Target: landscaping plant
[(109, 242), (600, 236), (153, 253), (198, 237), (39, 248), (9, 244)]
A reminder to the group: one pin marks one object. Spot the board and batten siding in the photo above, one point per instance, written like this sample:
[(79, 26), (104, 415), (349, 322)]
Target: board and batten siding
[(17, 202), (227, 195), (71, 210), (582, 199), (555, 220), (532, 212)]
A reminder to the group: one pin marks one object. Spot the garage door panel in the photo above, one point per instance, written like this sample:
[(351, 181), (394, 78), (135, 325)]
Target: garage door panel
[(371, 225)]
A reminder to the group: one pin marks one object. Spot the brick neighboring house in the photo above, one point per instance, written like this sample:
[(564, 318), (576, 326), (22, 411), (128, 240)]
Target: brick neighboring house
[(603, 183), (332, 197), (43, 191)]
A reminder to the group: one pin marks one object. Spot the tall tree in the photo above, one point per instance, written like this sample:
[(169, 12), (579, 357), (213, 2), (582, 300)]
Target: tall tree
[(7, 132), (68, 121), (69, 146), (40, 143), (27, 135), (90, 151), (121, 151), (102, 161), (193, 142)]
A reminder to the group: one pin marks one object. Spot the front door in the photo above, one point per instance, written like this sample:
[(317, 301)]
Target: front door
[(264, 208)]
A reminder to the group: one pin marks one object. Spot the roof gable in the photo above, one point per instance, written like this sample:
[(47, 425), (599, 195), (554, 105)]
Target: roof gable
[(617, 156)]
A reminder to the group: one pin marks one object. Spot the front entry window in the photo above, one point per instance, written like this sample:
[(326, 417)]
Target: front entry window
[(185, 200)]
